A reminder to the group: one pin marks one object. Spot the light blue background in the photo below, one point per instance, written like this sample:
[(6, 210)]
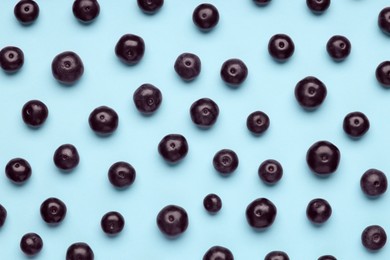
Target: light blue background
[(243, 32)]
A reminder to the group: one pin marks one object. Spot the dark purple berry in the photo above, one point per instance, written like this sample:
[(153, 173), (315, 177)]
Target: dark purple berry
[(130, 49), (374, 237), (318, 6), (66, 157), (270, 171), (67, 67), (327, 257), (218, 253), (53, 211), (31, 244), (86, 10), (257, 122), (11, 59), (234, 72), (79, 251), (318, 211), (147, 99), (172, 220), (150, 6), (281, 47), (188, 66), (356, 124), (112, 223), (18, 170), (338, 47), (205, 17), (3, 215), (212, 203), (225, 161), (261, 213), (310, 93), (121, 174), (323, 158), (103, 120), (204, 112), (384, 20), (173, 148), (34, 113), (26, 11), (276, 255), (382, 74), (373, 183), (261, 2)]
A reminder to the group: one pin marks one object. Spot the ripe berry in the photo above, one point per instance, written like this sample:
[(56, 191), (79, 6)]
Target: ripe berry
[(382, 74), (79, 251), (318, 211), (261, 2), (374, 237), (188, 66), (34, 113), (121, 174), (261, 213), (270, 171), (67, 67), (26, 11), (212, 203), (323, 158), (18, 170), (281, 47), (53, 211), (147, 99), (204, 112), (130, 49), (103, 120), (276, 255), (225, 161), (150, 6), (310, 93), (3, 215), (66, 157), (318, 6), (112, 223), (257, 122), (205, 17), (218, 253), (338, 47), (173, 148), (31, 244), (327, 257), (384, 20), (11, 59), (172, 220), (86, 10), (234, 72), (356, 124), (373, 183)]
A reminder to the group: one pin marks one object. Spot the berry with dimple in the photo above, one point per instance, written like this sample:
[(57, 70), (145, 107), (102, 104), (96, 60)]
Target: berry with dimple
[(374, 237), (11, 59), (188, 66), (323, 158), (26, 11), (384, 20), (34, 113), (270, 171), (373, 183), (212, 203), (310, 93), (53, 211), (234, 72), (338, 47), (18, 170), (67, 67), (31, 244), (150, 6), (86, 10), (172, 220), (66, 157), (3, 215), (318, 6), (121, 174), (79, 251), (147, 99), (318, 211), (204, 112), (382, 74), (103, 120), (261, 213), (205, 17), (112, 223), (356, 124), (257, 122), (130, 49), (225, 161), (281, 47), (276, 255), (173, 148), (218, 253)]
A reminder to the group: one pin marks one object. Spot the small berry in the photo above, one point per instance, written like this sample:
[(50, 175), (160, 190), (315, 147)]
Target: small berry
[(205, 17), (112, 223), (188, 66), (374, 237), (3, 215), (373, 183), (11, 59), (34, 113), (356, 124), (384, 20), (173, 148), (26, 11), (261, 213), (257, 122), (204, 112), (218, 253), (130, 49), (338, 47), (318, 6), (67, 67), (66, 157), (79, 251), (276, 255), (212, 203), (31, 244), (281, 47), (323, 158), (318, 211), (103, 120), (225, 161), (86, 10), (382, 74), (310, 93), (147, 99), (234, 72), (150, 6), (172, 220), (327, 257), (121, 174), (270, 171), (262, 2), (53, 211), (18, 170)]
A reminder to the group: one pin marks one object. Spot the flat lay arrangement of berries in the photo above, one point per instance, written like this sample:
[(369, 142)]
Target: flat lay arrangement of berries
[(152, 129)]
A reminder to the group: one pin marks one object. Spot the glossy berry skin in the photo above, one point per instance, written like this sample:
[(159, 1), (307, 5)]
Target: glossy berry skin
[(147, 99), (356, 124), (188, 66), (234, 72), (34, 113), (26, 11), (66, 157), (86, 10), (204, 112), (276, 255), (130, 49), (318, 211), (79, 251), (173, 148), (53, 211), (172, 221), (103, 120), (318, 6), (310, 93), (327, 257), (374, 237), (261, 213), (225, 162), (11, 59), (281, 47), (323, 158), (3, 215), (338, 47), (261, 2), (373, 183), (270, 171), (31, 244), (18, 170), (218, 253), (257, 122), (382, 74), (112, 223), (384, 20), (212, 203), (205, 17), (150, 6), (67, 68), (121, 175)]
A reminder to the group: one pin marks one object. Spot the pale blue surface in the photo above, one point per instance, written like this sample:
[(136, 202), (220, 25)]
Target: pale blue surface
[(243, 32)]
